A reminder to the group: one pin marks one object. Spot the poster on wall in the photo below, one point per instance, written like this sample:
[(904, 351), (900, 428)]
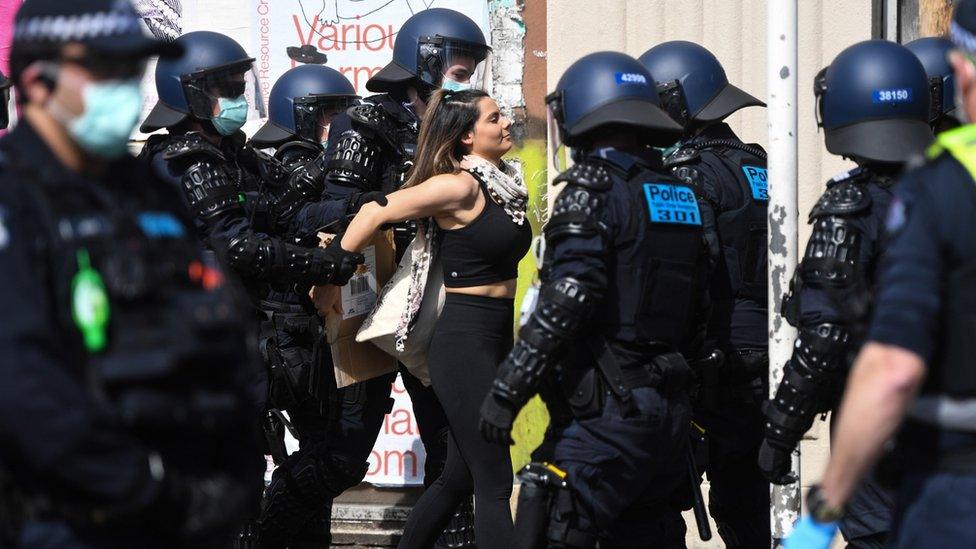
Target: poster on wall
[(357, 36), (398, 456), (166, 20)]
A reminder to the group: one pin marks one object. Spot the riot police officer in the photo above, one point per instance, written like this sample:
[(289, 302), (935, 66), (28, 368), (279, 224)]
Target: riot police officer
[(371, 148), (302, 104), (933, 52), (731, 176), (125, 420), (916, 369), (202, 104), (623, 282), (874, 104)]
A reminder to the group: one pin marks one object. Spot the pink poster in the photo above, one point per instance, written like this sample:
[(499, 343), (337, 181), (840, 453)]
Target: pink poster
[(8, 10)]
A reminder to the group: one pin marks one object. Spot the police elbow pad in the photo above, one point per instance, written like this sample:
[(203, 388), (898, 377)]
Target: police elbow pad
[(252, 255), (813, 379), (564, 306), (305, 185), (355, 162)]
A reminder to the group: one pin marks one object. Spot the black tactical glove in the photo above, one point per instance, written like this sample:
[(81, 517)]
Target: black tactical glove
[(343, 263), (358, 200), (774, 462), (497, 416)]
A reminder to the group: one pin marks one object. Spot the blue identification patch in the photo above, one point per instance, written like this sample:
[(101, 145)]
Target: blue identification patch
[(630, 78), (672, 204), (758, 182), (893, 95), (160, 225)]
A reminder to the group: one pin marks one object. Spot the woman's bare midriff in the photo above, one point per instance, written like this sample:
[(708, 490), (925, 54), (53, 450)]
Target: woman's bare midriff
[(505, 289)]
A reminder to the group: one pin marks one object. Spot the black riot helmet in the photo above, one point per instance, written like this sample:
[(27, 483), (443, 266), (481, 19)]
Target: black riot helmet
[(692, 83), (933, 52), (213, 67), (429, 43), (603, 90), (5, 97), (873, 103), (299, 103)]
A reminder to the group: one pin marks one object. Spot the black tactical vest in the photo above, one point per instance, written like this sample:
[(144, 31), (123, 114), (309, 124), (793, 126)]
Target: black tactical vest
[(147, 316), (743, 230), (656, 265)]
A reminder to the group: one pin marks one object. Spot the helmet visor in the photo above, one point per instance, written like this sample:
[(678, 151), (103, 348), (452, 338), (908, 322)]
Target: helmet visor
[(556, 148), (204, 89), (454, 64), (314, 114), (673, 101), (819, 89)]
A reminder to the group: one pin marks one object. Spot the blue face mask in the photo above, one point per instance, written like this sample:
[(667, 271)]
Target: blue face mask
[(454, 85), (232, 115), (112, 110)]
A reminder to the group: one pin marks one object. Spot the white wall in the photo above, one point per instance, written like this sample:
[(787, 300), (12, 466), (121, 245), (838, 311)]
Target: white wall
[(735, 31)]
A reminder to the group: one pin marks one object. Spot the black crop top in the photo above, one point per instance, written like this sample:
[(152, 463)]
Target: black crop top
[(486, 250)]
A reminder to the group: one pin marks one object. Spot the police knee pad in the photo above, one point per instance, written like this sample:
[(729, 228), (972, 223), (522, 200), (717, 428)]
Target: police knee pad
[(344, 472), (460, 531), (547, 514), (300, 488)]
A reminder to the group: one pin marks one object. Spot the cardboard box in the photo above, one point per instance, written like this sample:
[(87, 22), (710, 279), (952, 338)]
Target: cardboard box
[(353, 361)]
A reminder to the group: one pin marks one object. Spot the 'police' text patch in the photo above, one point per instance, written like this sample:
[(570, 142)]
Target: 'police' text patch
[(758, 182), (672, 204)]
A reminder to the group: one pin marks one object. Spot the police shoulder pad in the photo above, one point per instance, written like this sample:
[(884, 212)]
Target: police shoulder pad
[(190, 145), (844, 198), (374, 119), (682, 156), (369, 114), (586, 174), (297, 151)]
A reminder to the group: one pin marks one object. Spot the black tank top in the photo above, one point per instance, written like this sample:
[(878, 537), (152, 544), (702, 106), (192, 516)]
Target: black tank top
[(485, 251)]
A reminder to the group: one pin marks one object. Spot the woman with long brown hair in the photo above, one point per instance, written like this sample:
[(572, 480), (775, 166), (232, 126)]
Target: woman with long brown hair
[(478, 203)]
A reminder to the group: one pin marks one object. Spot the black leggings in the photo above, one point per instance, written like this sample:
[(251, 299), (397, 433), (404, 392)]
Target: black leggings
[(472, 336)]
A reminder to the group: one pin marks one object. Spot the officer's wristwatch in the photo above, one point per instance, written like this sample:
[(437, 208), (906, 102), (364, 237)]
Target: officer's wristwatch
[(819, 509)]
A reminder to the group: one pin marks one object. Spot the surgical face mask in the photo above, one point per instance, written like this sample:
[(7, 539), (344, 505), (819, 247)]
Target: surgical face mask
[(232, 115), (454, 85), (112, 110)]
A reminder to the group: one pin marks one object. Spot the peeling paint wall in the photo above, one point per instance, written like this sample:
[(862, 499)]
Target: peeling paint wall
[(508, 54)]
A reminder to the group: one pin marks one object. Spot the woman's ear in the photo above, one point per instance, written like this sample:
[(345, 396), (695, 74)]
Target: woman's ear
[(468, 139)]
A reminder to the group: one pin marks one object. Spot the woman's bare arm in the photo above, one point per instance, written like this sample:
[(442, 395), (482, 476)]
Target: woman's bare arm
[(438, 195)]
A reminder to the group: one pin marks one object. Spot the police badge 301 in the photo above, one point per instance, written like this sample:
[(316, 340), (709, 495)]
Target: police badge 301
[(668, 203)]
